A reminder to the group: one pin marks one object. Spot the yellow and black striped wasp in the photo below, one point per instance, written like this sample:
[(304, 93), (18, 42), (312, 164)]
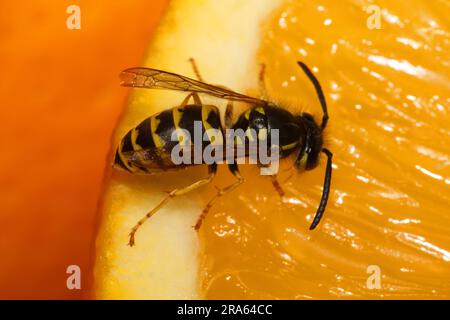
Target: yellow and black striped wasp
[(147, 147)]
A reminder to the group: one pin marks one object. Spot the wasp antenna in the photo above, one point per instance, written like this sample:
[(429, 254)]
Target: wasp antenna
[(326, 190), (319, 92)]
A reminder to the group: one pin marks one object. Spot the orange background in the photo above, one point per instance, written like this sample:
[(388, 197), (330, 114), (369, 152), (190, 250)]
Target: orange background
[(60, 100)]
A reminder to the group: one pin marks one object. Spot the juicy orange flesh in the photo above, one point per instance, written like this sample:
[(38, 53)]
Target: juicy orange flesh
[(388, 98)]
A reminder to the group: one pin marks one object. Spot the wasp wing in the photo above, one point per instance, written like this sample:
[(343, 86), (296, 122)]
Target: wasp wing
[(139, 156), (158, 79), (149, 157)]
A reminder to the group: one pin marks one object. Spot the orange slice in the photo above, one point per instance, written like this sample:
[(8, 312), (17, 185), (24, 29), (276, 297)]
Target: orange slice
[(224, 38), (385, 232)]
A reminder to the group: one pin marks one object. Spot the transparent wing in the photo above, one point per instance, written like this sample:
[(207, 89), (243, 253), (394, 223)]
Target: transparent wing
[(143, 156), (158, 79)]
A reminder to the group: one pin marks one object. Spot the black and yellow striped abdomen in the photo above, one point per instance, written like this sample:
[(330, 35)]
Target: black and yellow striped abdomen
[(147, 147)]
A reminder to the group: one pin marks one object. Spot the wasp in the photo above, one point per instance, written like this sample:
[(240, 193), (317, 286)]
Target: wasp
[(147, 147)]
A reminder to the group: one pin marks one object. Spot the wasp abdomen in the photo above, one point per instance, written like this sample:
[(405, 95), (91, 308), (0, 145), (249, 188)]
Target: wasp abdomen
[(148, 147)]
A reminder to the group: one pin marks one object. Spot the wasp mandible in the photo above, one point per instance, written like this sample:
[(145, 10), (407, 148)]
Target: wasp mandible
[(147, 147)]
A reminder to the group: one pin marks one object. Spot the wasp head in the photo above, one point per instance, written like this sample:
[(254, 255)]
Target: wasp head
[(308, 158)]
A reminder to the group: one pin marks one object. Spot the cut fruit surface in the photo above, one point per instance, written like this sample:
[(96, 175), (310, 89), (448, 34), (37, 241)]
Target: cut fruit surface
[(388, 214), (224, 38)]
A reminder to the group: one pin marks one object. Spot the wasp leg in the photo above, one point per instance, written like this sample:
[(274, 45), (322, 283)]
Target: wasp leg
[(229, 115), (229, 109), (262, 84), (235, 171), (276, 184), (291, 174), (195, 68), (212, 169), (193, 95)]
